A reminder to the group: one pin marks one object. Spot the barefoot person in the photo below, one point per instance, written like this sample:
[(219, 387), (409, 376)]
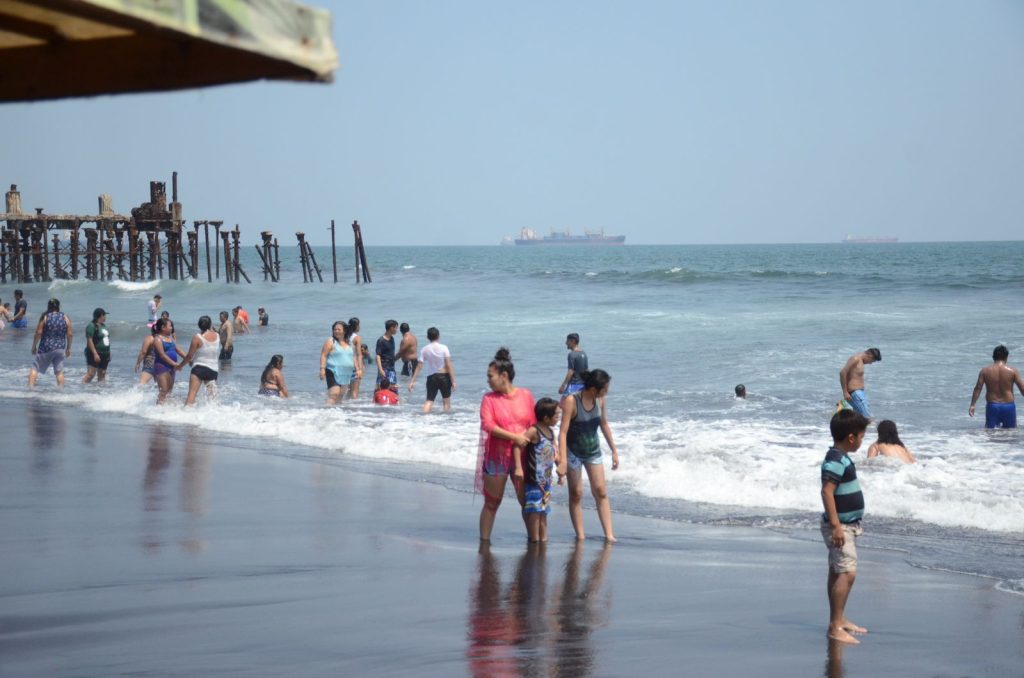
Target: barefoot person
[(386, 353), (851, 378), (889, 444), (272, 379), (337, 362), (436, 361), (152, 306), (166, 363), (540, 457), (840, 523), (359, 351), (203, 356), (505, 414), (408, 350), (147, 356), (97, 347), (227, 338), (51, 343), (573, 381), (998, 380), (19, 321), (583, 414)]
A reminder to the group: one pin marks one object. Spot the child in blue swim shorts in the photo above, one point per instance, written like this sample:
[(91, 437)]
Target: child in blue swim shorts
[(539, 459)]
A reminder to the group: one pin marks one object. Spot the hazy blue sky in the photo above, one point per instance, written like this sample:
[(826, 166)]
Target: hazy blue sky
[(671, 122)]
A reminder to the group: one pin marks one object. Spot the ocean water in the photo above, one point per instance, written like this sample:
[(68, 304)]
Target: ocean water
[(677, 327)]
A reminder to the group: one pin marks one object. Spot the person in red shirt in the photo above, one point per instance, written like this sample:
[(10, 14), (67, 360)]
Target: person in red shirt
[(385, 394), (506, 412)]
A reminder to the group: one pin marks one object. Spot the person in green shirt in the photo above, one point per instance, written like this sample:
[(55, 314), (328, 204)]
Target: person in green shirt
[(97, 347)]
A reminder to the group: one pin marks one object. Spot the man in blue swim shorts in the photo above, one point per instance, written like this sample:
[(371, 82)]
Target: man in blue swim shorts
[(19, 320), (998, 380), (851, 378)]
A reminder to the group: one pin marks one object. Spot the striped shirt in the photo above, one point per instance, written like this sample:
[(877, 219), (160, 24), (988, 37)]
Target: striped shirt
[(838, 468)]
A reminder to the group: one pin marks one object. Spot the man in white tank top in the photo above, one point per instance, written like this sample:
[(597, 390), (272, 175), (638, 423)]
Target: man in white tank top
[(436, 361)]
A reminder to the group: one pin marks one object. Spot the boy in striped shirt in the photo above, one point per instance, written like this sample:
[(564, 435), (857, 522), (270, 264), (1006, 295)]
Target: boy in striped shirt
[(840, 523)]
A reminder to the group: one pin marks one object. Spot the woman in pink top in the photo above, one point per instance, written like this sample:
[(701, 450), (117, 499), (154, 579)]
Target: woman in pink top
[(505, 414)]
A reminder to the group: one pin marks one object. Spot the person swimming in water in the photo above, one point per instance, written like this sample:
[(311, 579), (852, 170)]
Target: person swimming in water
[(272, 379), (889, 443)]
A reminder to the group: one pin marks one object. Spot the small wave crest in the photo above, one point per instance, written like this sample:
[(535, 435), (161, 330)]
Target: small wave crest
[(127, 286)]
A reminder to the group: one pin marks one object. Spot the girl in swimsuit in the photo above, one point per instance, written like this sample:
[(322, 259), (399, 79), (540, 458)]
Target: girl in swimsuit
[(166, 362), (889, 443), (583, 414), (337, 364), (147, 356), (357, 351), (272, 381)]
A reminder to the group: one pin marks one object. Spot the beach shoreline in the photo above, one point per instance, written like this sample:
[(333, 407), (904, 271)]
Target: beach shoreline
[(132, 546)]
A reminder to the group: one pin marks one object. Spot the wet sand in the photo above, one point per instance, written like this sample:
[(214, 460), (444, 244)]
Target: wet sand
[(131, 548)]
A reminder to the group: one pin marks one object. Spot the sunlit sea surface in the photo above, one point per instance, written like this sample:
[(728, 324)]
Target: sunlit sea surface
[(677, 327)]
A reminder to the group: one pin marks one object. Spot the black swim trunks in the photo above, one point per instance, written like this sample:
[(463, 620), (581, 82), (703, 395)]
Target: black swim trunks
[(439, 381)]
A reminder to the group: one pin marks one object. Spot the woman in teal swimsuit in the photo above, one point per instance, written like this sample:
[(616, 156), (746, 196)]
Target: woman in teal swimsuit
[(337, 363)]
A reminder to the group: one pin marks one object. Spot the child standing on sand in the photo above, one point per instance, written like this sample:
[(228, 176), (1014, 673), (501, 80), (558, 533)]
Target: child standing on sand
[(840, 523), (540, 457)]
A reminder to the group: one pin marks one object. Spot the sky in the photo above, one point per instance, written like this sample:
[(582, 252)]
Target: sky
[(457, 122)]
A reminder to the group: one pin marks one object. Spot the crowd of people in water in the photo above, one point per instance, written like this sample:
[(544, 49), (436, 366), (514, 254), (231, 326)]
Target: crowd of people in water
[(517, 433)]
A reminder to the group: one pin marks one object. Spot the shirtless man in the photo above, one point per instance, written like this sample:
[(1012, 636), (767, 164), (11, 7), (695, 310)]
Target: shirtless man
[(851, 378), (227, 338), (998, 380), (408, 350)]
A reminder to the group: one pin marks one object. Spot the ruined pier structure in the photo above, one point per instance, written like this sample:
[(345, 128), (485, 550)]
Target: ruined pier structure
[(153, 243)]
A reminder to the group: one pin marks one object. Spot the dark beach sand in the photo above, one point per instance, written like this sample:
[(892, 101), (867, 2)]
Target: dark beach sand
[(137, 549)]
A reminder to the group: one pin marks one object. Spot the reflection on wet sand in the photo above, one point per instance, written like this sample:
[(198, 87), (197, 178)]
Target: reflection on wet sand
[(524, 631), (579, 612), (46, 427), (195, 467), (834, 662)]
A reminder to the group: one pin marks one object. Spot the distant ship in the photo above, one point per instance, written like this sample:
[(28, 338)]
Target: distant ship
[(873, 239), (528, 236)]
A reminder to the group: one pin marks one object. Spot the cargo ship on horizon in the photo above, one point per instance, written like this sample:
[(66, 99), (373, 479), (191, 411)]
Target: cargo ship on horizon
[(873, 239), (528, 236)]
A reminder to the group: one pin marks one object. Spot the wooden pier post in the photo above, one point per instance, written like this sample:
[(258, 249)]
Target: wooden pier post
[(360, 253), (226, 236), (314, 266), (334, 254), (236, 236), (206, 237), (46, 252), (306, 274), (277, 259), (58, 272), (193, 253), (268, 255), (216, 247)]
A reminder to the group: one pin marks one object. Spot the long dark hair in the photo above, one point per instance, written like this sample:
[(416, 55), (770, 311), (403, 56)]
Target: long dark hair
[(888, 435), (161, 324), (502, 363), (275, 363), (595, 379)]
